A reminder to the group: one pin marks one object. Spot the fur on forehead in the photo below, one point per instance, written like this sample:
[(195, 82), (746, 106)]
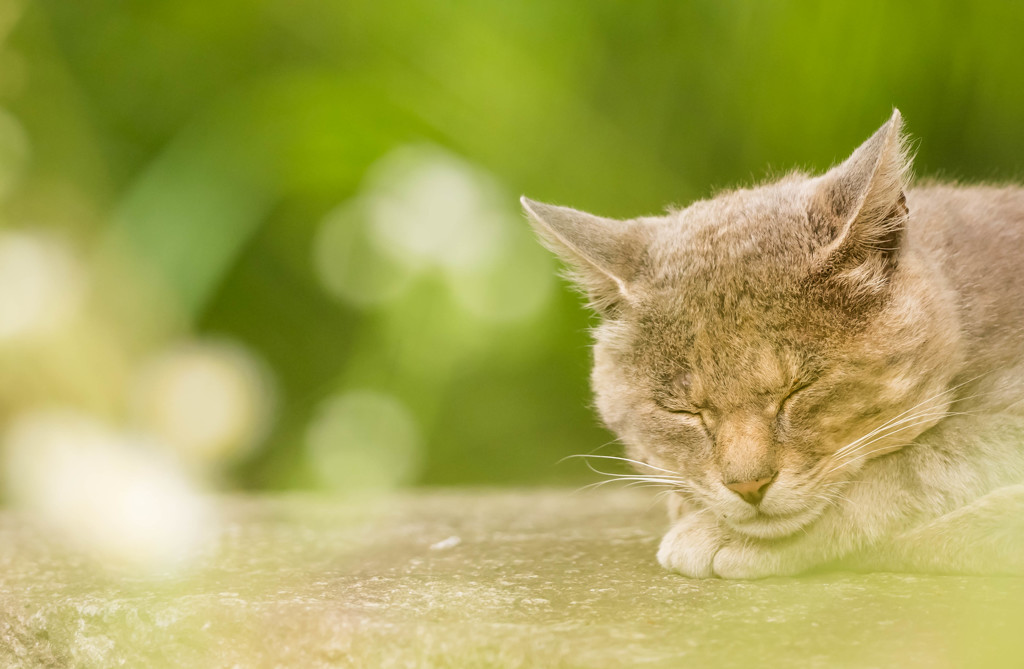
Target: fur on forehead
[(761, 236), (771, 340)]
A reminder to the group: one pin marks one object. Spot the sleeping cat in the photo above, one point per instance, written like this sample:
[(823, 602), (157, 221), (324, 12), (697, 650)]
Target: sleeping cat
[(822, 369)]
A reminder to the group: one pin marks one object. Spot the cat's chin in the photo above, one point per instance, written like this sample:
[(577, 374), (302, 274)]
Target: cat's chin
[(773, 526)]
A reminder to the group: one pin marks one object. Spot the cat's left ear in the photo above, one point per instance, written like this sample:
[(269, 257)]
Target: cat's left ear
[(603, 254), (862, 203)]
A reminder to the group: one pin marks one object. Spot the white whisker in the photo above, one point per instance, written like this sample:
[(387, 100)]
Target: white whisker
[(613, 457), (907, 423), (893, 428), (864, 455), (903, 415), (650, 476), (642, 484)]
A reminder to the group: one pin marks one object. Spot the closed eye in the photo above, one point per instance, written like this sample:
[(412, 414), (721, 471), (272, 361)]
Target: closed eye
[(798, 387), (696, 413)]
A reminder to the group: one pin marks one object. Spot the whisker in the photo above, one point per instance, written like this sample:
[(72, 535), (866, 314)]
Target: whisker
[(659, 498), (864, 455), (917, 422), (616, 440), (651, 476), (612, 473), (613, 457), (907, 423), (641, 479), (643, 484), (828, 500), (889, 422), (648, 484), (887, 428), (702, 510)]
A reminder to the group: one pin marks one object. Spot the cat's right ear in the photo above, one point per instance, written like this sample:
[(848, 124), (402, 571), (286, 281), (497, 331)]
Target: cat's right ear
[(862, 203), (603, 254)]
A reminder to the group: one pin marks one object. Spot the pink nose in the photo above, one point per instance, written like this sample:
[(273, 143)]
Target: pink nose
[(752, 492)]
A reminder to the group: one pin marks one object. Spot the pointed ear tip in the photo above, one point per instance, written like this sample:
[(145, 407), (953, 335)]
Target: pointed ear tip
[(896, 120), (529, 206)]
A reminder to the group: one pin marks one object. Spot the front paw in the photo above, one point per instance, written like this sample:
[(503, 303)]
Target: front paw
[(745, 559), (690, 545)]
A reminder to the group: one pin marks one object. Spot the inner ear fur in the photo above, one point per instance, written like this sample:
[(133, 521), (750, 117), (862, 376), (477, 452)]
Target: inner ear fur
[(861, 206), (603, 254)]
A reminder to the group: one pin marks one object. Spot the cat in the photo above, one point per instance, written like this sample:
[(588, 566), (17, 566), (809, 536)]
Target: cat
[(822, 370)]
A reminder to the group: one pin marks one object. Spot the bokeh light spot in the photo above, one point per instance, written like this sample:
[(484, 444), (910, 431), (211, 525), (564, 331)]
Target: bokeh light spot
[(516, 285), (363, 441), (105, 492), (210, 401), (41, 285), (349, 265), (429, 207)]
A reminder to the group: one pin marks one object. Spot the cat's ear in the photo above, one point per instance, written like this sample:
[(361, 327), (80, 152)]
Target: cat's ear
[(862, 206), (603, 254)]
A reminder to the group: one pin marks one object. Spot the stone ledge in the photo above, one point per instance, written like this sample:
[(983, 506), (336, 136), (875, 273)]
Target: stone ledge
[(477, 579)]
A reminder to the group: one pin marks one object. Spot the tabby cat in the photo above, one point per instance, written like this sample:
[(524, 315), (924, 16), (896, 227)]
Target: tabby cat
[(823, 369)]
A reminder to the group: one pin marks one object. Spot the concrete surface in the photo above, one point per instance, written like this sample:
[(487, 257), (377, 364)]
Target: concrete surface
[(477, 579)]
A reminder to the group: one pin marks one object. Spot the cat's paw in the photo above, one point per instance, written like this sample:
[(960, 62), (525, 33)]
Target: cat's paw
[(690, 545), (744, 559)]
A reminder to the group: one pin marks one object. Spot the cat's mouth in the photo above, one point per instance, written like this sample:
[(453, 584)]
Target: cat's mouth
[(762, 525)]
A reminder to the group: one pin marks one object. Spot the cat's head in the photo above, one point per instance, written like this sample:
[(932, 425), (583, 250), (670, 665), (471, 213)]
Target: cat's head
[(765, 344)]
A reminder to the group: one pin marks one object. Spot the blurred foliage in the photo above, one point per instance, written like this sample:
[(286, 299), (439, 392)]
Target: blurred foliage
[(204, 149)]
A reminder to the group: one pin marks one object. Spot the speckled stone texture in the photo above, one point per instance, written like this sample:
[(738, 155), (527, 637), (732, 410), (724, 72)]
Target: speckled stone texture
[(478, 579)]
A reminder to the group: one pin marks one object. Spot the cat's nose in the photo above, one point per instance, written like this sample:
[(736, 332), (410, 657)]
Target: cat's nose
[(752, 492)]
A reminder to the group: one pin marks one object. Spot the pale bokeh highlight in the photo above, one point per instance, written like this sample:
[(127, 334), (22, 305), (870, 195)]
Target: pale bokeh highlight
[(350, 265), (363, 440), (429, 207), (209, 401), (108, 493), (423, 211), (41, 285)]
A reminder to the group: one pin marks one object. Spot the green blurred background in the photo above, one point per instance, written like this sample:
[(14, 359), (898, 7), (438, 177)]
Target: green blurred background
[(322, 198)]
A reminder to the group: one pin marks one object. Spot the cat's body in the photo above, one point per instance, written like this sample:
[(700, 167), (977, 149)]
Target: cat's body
[(822, 368)]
